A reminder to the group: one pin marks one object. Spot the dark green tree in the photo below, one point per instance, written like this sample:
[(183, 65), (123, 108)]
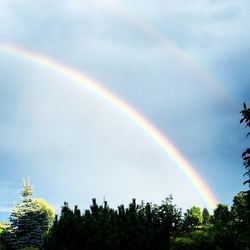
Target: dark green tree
[(205, 216), (241, 220), (223, 232), (246, 154), (102, 228), (222, 215)]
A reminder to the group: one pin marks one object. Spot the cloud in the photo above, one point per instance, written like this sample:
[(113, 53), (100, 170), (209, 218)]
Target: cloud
[(5, 209), (65, 132), (52, 128)]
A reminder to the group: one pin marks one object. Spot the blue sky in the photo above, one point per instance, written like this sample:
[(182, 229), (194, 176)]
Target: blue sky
[(163, 58)]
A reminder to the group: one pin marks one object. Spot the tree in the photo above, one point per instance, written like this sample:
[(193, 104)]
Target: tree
[(246, 155), (170, 218), (241, 219), (205, 216), (29, 221), (223, 231), (192, 218), (102, 228), (46, 209), (221, 215)]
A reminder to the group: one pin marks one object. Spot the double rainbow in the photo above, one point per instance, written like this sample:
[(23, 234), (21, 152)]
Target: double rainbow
[(122, 106)]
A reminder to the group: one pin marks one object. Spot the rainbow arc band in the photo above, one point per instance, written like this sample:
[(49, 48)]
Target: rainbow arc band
[(122, 106)]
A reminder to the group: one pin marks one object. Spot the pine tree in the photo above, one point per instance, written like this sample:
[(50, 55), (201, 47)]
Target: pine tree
[(28, 221)]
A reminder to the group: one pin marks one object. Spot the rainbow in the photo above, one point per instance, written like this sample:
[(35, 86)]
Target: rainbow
[(122, 106)]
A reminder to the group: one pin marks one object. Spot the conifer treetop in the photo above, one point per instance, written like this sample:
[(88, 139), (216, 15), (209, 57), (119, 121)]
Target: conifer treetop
[(27, 190)]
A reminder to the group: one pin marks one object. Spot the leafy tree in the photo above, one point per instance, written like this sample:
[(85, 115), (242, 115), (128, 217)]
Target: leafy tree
[(241, 202), (221, 215), (223, 232), (170, 220), (241, 220), (205, 216), (192, 218), (46, 209), (29, 221)]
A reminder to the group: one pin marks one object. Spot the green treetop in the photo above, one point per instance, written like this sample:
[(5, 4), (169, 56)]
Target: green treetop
[(27, 190), (192, 218)]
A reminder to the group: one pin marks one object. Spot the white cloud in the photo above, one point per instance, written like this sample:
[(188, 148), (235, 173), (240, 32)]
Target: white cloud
[(5, 209)]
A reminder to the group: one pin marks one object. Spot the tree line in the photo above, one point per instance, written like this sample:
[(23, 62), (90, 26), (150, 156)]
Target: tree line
[(137, 226)]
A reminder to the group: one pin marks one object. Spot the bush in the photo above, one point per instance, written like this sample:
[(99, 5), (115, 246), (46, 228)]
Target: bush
[(48, 210), (196, 240), (203, 239), (3, 228), (183, 243)]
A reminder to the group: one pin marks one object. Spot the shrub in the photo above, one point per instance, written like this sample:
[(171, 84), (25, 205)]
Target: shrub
[(3, 229), (183, 243)]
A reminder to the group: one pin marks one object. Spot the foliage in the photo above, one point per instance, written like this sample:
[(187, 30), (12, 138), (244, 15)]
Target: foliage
[(2, 227), (199, 239), (221, 215), (205, 216), (2, 230), (46, 209), (29, 221), (143, 226), (241, 219), (246, 155), (27, 190), (192, 218), (183, 243)]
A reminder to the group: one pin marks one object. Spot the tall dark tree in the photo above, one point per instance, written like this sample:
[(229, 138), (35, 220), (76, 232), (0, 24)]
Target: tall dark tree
[(221, 215), (246, 155), (241, 220), (205, 216), (222, 227)]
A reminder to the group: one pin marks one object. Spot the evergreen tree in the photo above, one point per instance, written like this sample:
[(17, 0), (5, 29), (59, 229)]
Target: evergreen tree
[(28, 221), (101, 228)]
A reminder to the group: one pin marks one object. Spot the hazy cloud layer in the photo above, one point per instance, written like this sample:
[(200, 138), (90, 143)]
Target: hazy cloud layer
[(183, 64)]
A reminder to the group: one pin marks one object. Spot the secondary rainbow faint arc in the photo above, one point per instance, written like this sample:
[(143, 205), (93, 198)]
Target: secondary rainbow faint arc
[(171, 47), (121, 105)]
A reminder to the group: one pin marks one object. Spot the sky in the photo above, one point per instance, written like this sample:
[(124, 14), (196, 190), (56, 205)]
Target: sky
[(183, 65)]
